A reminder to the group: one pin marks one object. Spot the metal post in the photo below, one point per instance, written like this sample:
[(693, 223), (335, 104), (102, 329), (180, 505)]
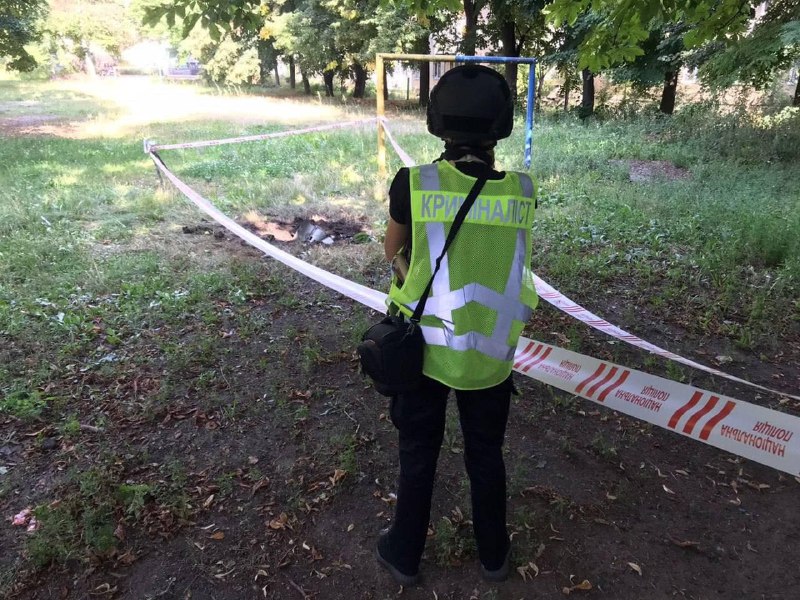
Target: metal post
[(529, 115)]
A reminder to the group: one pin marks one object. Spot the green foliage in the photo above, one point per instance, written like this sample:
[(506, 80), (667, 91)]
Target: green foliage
[(623, 26), (25, 404), (20, 25), (772, 45)]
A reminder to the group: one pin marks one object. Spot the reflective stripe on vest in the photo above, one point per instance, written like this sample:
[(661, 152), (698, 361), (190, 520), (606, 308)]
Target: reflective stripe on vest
[(443, 301)]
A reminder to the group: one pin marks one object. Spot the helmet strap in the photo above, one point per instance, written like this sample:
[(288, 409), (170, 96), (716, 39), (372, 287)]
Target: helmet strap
[(460, 152)]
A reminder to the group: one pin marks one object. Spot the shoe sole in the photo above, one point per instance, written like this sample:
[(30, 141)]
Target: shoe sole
[(402, 579)]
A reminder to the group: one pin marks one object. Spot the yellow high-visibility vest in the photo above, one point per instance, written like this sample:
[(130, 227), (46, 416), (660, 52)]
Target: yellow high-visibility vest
[(483, 294)]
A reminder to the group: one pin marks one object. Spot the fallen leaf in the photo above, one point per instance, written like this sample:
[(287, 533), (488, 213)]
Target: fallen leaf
[(682, 472), (119, 532), (685, 544), (523, 572), (350, 527), (103, 589), (219, 535), (736, 502), (539, 550), (610, 497), (337, 476), (666, 489), (280, 522), (253, 460), (636, 568), (208, 501), (749, 547), (583, 586), (258, 485)]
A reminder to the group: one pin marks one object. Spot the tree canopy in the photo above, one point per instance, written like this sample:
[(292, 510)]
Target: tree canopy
[(20, 24), (623, 26)]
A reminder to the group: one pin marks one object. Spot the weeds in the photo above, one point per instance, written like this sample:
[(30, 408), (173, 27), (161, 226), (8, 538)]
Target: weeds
[(25, 404), (451, 545), (603, 447)]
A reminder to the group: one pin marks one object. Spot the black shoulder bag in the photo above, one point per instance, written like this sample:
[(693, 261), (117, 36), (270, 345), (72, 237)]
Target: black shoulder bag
[(391, 351)]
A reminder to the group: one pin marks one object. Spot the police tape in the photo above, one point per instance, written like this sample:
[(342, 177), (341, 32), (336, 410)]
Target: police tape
[(551, 295), (760, 434), (149, 145)]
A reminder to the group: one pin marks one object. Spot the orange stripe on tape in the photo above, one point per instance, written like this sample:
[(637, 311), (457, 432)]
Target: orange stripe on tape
[(522, 354), (712, 402), (527, 368), (682, 410), (591, 378), (602, 382), (532, 355), (729, 406), (613, 386)]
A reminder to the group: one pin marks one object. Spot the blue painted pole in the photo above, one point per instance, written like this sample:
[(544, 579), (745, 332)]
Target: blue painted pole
[(526, 161), (462, 58)]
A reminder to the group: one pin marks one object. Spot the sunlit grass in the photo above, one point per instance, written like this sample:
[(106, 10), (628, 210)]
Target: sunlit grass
[(71, 209)]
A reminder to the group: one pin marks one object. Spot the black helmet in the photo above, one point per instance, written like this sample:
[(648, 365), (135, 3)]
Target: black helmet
[(471, 103)]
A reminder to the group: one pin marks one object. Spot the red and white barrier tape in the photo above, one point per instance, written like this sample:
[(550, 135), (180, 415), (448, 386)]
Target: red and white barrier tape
[(573, 309), (560, 301), (255, 138), (407, 160), (754, 432), (356, 291)]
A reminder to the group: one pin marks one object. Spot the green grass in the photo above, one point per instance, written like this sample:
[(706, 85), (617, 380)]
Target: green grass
[(91, 249), (97, 279)]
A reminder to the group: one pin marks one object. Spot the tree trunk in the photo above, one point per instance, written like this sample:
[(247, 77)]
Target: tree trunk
[(796, 99), (263, 62), (587, 98), (88, 61), (424, 83), (306, 83), (291, 72), (508, 36), (567, 89), (423, 46), (277, 75), (385, 83), (327, 78), (471, 12), (360, 74), (667, 105), (539, 86)]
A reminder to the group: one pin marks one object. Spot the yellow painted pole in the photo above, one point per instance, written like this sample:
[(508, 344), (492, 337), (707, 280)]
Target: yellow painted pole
[(380, 82)]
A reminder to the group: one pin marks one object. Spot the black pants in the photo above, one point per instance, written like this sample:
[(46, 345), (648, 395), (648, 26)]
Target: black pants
[(420, 420)]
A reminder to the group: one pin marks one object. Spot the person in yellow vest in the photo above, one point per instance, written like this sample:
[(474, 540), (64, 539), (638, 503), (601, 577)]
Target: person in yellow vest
[(480, 300)]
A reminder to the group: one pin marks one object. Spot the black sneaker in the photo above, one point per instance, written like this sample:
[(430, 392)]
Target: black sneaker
[(500, 574), (399, 577)]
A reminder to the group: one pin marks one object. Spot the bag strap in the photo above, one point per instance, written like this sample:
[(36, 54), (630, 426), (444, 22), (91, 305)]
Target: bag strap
[(460, 216)]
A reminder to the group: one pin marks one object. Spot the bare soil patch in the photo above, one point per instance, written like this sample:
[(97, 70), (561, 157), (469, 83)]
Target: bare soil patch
[(652, 170)]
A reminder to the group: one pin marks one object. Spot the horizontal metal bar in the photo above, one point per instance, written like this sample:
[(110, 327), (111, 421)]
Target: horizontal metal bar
[(496, 59), (458, 58)]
